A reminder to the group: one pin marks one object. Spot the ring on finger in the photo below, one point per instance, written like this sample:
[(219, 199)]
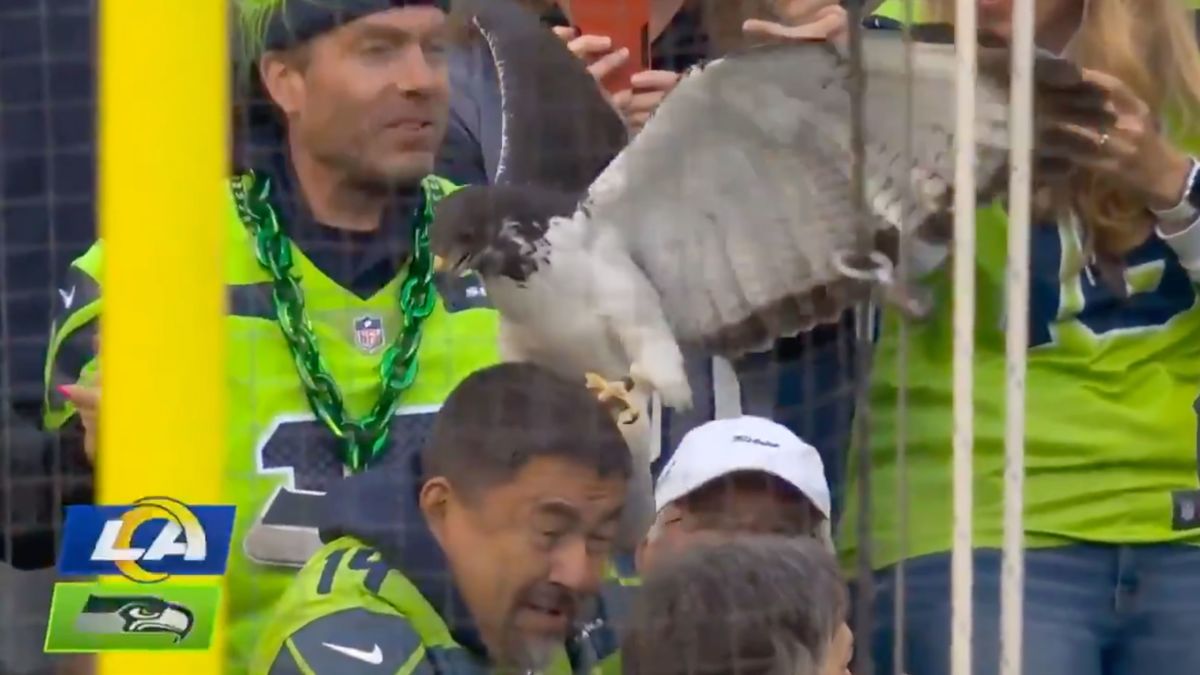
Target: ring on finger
[(1103, 141)]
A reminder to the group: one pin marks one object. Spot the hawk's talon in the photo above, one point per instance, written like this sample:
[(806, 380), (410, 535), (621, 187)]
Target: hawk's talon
[(615, 396), (914, 302)]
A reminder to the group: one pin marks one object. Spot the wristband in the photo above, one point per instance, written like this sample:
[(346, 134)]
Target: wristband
[(1186, 244), (1189, 204)]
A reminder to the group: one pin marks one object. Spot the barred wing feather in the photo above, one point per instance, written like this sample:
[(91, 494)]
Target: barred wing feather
[(736, 198)]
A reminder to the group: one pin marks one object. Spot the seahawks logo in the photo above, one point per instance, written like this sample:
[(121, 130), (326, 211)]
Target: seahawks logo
[(461, 293), (113, 614)]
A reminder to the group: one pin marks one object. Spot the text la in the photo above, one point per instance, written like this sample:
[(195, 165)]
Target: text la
[(169, 542)]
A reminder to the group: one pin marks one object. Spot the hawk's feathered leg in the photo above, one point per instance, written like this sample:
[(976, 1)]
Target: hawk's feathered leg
[(635, 317)]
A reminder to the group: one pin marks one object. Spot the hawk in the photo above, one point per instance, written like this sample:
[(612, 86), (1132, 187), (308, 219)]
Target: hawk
[(727, 222)]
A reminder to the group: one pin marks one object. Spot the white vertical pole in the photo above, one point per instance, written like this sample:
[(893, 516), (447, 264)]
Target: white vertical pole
[(964, 336), (904, 258), (1012, 579)]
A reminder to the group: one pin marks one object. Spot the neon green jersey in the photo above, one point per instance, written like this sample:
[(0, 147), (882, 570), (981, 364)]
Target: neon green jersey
[(349, 612), (280, 458), (382, 578), (375, 619), (1111, 432), (894, 9)]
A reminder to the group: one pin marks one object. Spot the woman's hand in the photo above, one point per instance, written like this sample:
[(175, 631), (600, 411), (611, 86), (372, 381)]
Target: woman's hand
[(803, 20), (806, 19), (648, 88), (594, 50), (1132, 149), (86, 399), (87, 402)]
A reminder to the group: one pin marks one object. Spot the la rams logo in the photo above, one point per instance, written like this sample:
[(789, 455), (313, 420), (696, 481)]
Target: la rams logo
[(147, 541)]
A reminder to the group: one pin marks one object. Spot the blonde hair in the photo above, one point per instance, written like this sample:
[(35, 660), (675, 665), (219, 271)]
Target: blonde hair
[(1151, 46)]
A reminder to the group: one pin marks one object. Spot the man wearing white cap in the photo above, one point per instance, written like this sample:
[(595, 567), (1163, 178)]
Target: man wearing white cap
[(729, 477), (738, 475)]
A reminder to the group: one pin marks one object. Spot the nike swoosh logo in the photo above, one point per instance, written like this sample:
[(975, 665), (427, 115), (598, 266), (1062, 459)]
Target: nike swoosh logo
[(373, 657), (68, 297)]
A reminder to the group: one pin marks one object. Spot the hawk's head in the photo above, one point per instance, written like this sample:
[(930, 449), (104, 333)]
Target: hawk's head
[(134, 614), (463, 229), (487, 229)]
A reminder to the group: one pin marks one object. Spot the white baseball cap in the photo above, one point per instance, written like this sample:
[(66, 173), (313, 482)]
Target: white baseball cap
[(746, 443)]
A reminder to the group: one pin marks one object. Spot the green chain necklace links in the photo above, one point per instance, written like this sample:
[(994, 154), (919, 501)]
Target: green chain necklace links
[(363, 440)]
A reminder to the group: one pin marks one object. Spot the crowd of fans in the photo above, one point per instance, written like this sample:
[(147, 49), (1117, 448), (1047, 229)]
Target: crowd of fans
[(484, 532)]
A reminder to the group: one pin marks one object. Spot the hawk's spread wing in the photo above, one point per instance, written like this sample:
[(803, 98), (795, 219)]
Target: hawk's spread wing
[(735, 199)]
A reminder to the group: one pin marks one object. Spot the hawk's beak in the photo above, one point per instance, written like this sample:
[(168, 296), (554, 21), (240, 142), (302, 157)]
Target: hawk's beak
[(177, 622), (440, 266)]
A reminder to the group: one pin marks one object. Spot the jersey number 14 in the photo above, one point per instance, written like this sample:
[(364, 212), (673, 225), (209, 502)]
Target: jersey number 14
[(303, 452)]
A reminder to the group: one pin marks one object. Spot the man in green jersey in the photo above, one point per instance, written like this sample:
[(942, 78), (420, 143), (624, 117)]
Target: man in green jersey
[(342, 343), (482, 551)]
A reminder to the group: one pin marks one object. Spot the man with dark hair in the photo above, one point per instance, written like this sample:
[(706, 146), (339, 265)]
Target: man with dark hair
[(756, 605), (480, 552)]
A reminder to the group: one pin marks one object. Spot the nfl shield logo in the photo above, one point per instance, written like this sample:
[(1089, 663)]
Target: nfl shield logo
[(368, 333)]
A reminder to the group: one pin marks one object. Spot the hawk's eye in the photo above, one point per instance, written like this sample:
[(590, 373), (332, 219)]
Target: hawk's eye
[(142, 613)]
